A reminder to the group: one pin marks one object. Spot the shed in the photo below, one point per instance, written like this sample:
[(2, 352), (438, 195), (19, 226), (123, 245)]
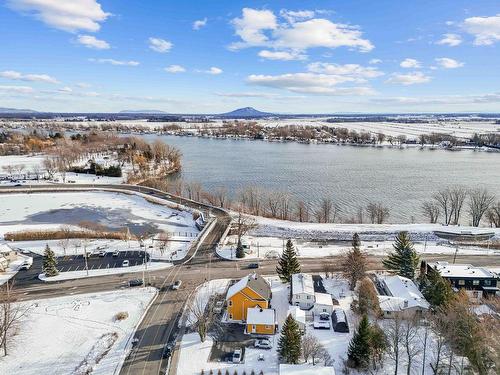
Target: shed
[(339, 320), (323, 304), (260, 321)]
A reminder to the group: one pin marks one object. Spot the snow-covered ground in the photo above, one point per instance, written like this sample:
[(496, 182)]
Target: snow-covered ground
[(292, 229), (272, 247), (60, 335)]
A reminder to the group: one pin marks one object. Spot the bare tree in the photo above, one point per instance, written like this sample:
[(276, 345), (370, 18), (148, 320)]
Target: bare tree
[(201, 315), (302, 211), (493, 215), (479, 202), (457, 196), (443, 199), (221, 197), (312, 348), (163, 240), (64, 243), (377, 212), (243, 224), (11, 313), (439, 324), (394, 332), (324, 212), (50, 166), (410, 329), (431, 211)]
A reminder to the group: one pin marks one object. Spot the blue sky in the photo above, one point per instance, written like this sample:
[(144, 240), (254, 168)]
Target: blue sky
[(279, 56)]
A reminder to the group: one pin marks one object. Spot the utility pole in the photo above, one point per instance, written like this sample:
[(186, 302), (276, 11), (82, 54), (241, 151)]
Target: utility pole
[(85, 256), (455, 255)]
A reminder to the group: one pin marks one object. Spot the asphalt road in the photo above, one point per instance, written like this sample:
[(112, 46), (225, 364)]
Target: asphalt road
[(159, 323)]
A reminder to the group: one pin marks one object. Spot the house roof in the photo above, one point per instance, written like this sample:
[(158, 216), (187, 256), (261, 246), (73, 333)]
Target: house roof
[(298, 314), (323, 299), (256, 315), (461, 270), (401, 290), (4, 248), (302, 283), (254, 282), (305, 369)]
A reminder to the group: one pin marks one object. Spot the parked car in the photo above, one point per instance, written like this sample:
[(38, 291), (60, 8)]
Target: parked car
[(218, 307), (125, 263), (102, 253), (324, 316), (253, 265), (176, 285), (321, 324), (116, 253), (237, 355), (167, 351), (25, 251), (263, 344), (135, 282), (26, 265)]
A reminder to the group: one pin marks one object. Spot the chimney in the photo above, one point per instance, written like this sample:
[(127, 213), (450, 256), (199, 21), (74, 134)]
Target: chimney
[(406, 303)]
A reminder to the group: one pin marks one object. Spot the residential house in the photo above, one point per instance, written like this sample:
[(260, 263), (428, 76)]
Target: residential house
[(7, 255), (261, 321), (398, 294), (323, 304), (250, 291), (302, 291), (477, 281)]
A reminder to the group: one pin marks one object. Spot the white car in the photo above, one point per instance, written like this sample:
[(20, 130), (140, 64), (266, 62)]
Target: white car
[(263, 344), (237, 355), (125, 263), (176, 285), (102, 253), (116, 253)]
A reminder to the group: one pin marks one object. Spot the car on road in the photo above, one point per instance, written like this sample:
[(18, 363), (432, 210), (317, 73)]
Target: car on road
[(263, 344), (25, 251), (237, 355), (167, 351), (135, 282), (125, 263), (102, 253), (26, 265), (253, 265), (116, 253), (176, 285), (135, 341)]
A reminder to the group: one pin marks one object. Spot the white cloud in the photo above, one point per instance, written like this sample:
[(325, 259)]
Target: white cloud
[(374, 61), (175, 69), (409, 78), (410, 64), (486, 30), (83, 85), (11, 74), (310, 83), (446, 62), (356, 72), (17, 89), (260, 28), (293, 16), (247, 95), (281, 55), (160, 45), (198, 24), (115, 62), (90, 41), (70, 16), (65, 89), (214, 70), (451, 40), (440, 100)]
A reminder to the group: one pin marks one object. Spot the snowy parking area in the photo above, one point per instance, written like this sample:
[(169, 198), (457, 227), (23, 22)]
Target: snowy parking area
[(68, 335)]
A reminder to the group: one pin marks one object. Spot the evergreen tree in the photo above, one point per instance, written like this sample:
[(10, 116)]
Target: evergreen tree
[(359, 350), (404, 259), (289, 343), (288, 263), (49, 266), (240, 252), (436, 290), (354, 263)]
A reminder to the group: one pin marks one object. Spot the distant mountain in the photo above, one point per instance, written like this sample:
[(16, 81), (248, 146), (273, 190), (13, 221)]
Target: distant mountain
[(247, 112), (145, 111), (16, 110)]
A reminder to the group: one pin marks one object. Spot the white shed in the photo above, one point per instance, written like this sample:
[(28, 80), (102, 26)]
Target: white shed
[(323, 304)]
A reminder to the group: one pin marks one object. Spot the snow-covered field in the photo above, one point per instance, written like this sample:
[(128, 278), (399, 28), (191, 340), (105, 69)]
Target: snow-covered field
[(110, 209), (272, 247), (66, 335)]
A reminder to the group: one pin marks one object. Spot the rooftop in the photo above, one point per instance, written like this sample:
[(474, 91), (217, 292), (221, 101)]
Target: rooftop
[(298, 314), (302, 283), (305, 369), (403, 293), (254, 282), (461, 270), (323, 299), (256, 315)]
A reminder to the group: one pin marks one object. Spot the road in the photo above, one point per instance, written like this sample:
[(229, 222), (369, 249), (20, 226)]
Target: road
[(201, 264)]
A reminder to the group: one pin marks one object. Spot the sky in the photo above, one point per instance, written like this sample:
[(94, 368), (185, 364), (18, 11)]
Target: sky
[(278, 56)]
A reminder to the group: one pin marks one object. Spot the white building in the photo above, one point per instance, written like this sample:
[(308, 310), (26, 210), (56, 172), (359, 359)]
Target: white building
[(302, 293), (399, 294), (323, 304), (299, 316), (7, 255), (305, 369)]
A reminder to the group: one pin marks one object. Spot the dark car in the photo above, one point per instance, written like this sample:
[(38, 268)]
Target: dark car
[(167, 351), (135, 282), (253, 265)]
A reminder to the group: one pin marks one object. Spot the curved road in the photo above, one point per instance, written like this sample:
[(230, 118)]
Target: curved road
[(160, 322)]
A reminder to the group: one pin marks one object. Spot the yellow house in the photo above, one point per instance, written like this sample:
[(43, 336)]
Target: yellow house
[(250, 291), (261, 321)]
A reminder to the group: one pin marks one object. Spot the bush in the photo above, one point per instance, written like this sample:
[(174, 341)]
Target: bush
[(122, 315)]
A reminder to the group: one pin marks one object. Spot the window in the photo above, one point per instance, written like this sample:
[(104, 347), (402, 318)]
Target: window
[(230, 303), (268, 327), (475, 282), (308, 297), (487, 282), (461, 282), (231, 316)]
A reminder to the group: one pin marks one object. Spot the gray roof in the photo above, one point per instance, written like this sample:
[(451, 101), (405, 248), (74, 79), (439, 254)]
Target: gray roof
[(259, 285)]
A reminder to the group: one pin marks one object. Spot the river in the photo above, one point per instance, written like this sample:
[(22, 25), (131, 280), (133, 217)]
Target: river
[(352, 176)]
